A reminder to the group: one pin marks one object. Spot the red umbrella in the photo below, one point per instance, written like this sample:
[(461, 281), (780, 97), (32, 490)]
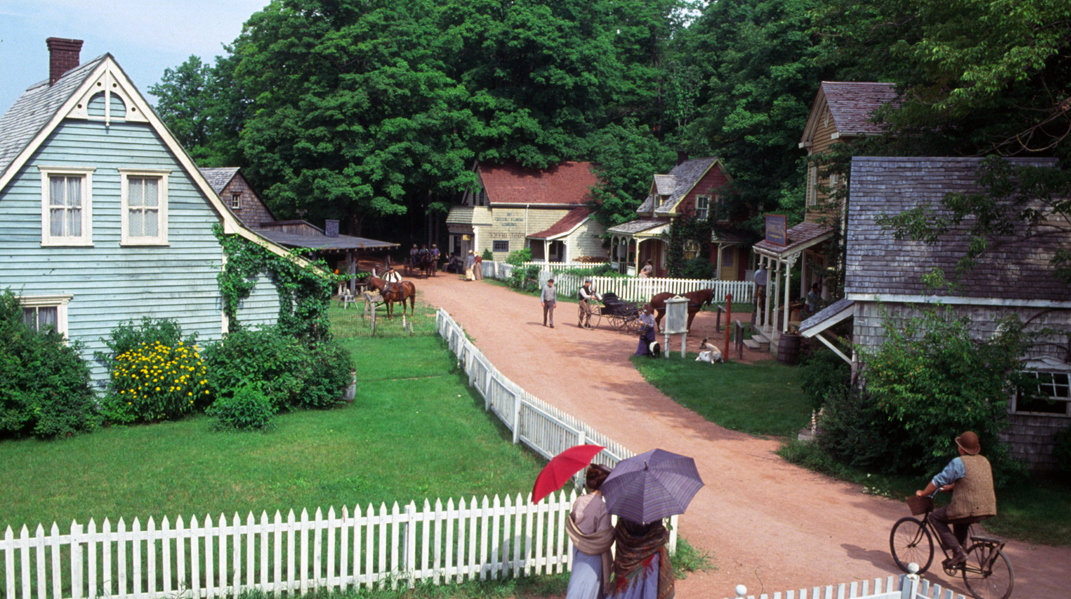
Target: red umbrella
[(562, 468)]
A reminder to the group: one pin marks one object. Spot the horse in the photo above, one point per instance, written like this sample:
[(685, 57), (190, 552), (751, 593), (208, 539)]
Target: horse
[(394, 292), (696, 301), (425, 263)]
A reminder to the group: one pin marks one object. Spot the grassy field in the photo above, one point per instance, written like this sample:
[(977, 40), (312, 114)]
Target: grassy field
[(413, 432), (759, 399)]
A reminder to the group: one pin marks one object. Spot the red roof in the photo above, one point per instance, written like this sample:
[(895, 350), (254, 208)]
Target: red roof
[(567, 183), (853, 104), (571, 219)]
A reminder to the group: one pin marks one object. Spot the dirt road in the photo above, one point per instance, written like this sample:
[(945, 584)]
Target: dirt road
[(766, 523)]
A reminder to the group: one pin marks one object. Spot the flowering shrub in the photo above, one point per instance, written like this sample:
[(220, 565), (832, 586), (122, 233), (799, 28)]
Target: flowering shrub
[(154, 382)]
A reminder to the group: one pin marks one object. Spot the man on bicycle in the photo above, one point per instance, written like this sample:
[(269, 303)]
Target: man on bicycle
[(970, 478)]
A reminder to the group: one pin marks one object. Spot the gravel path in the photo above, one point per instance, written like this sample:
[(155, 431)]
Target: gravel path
[(766, 523)]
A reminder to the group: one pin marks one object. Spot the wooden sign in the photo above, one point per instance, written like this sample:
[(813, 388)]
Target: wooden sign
[(777, 229)]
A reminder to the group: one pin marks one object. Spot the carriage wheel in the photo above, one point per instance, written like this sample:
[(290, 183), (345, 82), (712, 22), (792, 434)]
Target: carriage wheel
[(595, 319), (633, 324), (617, 321)]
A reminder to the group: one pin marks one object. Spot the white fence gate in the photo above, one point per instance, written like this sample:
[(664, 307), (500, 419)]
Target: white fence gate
[(904, 586)]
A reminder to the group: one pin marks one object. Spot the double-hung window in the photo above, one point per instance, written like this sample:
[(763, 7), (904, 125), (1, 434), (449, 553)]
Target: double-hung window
[(144, 217), (66, 206), (702, 207), (45, 312)]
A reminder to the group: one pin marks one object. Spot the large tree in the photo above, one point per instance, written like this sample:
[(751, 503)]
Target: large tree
[(758, 63)]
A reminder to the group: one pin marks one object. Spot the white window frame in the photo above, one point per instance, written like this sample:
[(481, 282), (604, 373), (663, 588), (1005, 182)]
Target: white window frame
[(1066, 399), (236, 201), (127, 174), (705, 210), (86, 173), (50, 301)]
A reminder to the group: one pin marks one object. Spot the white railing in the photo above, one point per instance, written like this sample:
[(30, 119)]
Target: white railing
[(630, 289), (904, 586), (544, 428), (335, 552)]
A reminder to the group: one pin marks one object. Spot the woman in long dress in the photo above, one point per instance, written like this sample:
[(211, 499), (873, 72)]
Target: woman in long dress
[(642, 569), (589, 528), (647, 331)]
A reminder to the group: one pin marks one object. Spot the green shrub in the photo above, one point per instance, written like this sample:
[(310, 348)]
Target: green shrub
[(278, 362), (697, 268), (823, 374), (128, 337), (927, 383), (524, 278), (328, 376), (154, 382), (519, 257), (487, 255), (45, 385), (248, 409)]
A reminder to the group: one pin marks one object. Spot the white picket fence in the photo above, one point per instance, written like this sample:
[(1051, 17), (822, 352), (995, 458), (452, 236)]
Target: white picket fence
[(630, 289), (228, 557), (904, 586), (560, 266)]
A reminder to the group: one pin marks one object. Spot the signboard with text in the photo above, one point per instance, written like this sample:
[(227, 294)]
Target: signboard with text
[(777, 229)]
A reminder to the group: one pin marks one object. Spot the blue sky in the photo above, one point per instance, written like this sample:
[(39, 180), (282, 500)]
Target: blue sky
[(144, 36)]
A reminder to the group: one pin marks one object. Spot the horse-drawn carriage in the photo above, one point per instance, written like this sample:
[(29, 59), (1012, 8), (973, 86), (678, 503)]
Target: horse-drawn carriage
[(623, 316)]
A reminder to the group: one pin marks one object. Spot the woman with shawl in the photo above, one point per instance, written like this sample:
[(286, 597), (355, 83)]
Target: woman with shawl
[(589, 528), (642, 569)]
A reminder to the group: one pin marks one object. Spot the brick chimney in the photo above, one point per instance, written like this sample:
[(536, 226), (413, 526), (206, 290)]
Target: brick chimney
[(62, 57), (682, 157)]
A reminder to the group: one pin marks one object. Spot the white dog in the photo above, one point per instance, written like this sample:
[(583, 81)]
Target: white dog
[(709, 353)]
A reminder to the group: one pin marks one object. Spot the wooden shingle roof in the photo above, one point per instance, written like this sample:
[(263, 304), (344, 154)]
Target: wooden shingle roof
[(677, 184), (852, 104), (878, 265), (35, 108)]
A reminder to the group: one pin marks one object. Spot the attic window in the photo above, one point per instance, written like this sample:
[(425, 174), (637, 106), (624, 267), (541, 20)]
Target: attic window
[(825, 122), (236, 201), (702, 207)]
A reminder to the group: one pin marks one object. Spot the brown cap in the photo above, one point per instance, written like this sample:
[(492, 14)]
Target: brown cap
[(969, 442)]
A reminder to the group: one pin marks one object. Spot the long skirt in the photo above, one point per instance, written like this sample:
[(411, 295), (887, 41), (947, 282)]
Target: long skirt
[(586, 580), (648, 337), (645, 585)]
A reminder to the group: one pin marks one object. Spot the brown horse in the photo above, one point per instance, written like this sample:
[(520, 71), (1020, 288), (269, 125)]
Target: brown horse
[(394, 292), (696, 301)]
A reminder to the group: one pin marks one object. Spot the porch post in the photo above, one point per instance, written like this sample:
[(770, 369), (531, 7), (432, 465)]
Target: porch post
[(776, 293), (788, 287), (766, 293), (717, 267)]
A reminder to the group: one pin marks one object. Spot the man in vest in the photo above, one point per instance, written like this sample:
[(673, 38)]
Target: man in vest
[(586, 294), (970, 479)]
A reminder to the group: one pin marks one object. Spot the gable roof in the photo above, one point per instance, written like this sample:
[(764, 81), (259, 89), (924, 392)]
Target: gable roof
[(218, 178), (677, 184), (878, 266), (33, 111), (568, 183), (852, 105), (565, 225), (42, 107)]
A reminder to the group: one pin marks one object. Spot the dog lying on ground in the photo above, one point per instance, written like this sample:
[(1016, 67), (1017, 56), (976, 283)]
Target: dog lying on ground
[(709, 353)]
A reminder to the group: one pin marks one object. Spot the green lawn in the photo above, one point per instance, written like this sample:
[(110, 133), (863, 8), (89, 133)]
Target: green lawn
[(415, 431), (761, 399)]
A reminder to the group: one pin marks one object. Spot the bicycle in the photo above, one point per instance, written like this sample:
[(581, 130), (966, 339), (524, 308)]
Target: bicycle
[(987, 573)]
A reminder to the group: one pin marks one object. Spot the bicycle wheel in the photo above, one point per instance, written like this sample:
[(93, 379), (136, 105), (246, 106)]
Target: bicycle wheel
[(988, 573), (910, 541)]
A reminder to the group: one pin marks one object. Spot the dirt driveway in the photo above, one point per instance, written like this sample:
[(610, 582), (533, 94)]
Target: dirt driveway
[(766, 523)]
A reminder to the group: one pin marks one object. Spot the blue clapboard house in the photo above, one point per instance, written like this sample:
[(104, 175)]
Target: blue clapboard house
[(104, 218)]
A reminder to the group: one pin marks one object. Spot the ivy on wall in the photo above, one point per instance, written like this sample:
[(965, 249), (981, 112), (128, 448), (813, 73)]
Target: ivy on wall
[(304, 291), (684, 230)]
